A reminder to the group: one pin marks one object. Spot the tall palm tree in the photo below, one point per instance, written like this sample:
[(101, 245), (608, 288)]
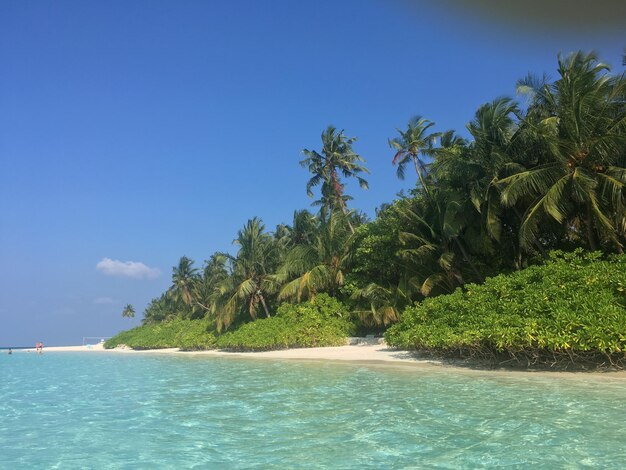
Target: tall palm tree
[(251, 282), (435, 248), (411, 145), (494, 130), (301, 232), (320, 266), (303, 226), (205, 289), (336, 158), (501, 147), (184, 277), (581, 121), (128, 312)]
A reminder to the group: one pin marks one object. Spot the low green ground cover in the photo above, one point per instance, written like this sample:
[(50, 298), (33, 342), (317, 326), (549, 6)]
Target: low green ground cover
[(570, 310), (178, 333), (323, 321)]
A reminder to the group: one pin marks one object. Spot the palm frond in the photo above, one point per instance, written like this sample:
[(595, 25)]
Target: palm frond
[(555, 202), (529, 183)]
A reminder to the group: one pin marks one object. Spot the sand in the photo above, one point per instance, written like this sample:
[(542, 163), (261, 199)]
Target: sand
[(378, 355), (361, 352)]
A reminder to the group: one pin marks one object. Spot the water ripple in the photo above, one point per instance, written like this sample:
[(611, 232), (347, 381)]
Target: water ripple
[(64, 410)]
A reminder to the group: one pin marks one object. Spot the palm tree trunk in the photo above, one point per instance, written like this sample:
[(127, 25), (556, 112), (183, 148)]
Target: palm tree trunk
[(619, 237), (267, 313), (420, 176), (593, 246), (345, 213), (336, 185), (468, 260), (538, 245)]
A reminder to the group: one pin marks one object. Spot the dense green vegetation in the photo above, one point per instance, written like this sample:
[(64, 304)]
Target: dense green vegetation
[(323, 321), (572, 308), (532, 177), (176, 333)]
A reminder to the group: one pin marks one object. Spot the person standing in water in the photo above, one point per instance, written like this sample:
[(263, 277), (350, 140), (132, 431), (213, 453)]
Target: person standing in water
[(10, 351)]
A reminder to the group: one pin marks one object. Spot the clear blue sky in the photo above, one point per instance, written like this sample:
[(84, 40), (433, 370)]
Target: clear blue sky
[(146, 130)]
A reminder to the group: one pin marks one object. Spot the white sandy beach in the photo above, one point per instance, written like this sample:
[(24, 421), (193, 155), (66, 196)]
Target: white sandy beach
[(379, 354), (366, 354), (361, 353)]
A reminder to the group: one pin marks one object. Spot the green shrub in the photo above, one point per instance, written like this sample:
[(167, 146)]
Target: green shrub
[(319, 322), (178, 333), (572, 308)]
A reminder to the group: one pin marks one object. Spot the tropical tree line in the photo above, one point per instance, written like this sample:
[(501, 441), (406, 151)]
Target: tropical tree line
[(546, 172)]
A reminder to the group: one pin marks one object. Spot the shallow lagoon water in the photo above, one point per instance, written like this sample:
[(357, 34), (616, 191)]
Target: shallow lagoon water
[(100, 410)]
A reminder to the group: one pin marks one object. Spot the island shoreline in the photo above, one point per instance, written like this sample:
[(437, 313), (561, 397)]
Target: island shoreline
[(377, 356)]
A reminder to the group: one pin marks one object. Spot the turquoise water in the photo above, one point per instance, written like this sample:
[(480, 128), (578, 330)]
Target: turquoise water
[(73, 410)]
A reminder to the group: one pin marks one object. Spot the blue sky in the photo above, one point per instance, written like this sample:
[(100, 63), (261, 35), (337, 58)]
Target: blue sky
[(141, 131)]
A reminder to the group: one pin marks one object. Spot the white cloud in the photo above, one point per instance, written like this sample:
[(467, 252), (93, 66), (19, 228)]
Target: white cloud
[(104, 301), (133, 269)]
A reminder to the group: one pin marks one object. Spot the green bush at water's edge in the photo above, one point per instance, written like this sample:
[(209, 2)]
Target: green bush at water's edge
[(322, 321), (178, 333), (319, 322), (572, 308)]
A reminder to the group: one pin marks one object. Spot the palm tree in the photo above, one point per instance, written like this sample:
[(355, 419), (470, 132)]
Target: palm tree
[(303, 226), (384, 304), (336, 157), (411, 144), (494, 130), (160, 309), (472, 172), (205, 288), (251, 282), (128, 312), (435, 248), (581, 122), (184, 277), (501, 147), (281, 239), (320, 266)]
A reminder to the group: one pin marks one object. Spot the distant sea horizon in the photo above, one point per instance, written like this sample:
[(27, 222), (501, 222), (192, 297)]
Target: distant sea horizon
[(54, 345)]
